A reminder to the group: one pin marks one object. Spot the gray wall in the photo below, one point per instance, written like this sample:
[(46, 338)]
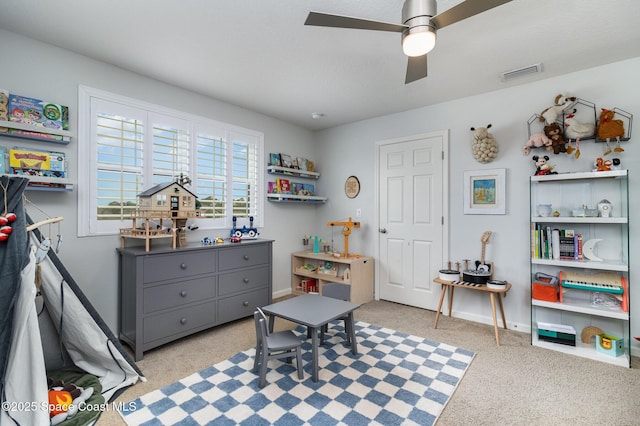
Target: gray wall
[(350, 149), (38, 70), (42, 71)]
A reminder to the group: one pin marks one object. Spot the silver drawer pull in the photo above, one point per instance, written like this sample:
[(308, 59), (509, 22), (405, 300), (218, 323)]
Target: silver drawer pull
[(246, 280), (183, 321), (183, 266), (245, 257), (183, 293), (245, 304)]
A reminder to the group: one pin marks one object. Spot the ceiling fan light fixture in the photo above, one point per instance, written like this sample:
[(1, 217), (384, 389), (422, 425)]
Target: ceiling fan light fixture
[(418, 41)]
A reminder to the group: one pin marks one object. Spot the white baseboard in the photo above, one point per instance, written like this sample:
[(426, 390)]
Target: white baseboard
[(524, 328), (281, 293)]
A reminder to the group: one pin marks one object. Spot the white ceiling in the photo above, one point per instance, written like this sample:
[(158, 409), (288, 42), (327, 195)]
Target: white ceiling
[(257, 54)]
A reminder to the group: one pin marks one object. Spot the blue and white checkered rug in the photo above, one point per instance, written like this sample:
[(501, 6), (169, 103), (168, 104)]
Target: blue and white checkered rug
[(396, 379)]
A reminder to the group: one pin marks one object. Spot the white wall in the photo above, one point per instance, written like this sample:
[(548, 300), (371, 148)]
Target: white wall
[(38, 70), (350, 150)]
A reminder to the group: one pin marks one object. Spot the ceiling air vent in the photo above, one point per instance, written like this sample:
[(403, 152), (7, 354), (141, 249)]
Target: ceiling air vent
[(519, 72)]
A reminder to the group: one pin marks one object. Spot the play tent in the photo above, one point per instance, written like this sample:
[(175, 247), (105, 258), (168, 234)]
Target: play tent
[(53, 332)]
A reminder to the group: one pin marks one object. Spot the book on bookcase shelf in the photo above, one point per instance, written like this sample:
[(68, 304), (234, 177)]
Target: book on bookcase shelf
[(548, 243)]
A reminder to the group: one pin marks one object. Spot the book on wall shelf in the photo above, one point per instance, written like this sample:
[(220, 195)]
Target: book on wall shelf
[(274, 159), (46, 170)]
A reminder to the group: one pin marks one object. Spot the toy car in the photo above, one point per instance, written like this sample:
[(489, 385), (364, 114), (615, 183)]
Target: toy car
[(244, 232), (235, 239)]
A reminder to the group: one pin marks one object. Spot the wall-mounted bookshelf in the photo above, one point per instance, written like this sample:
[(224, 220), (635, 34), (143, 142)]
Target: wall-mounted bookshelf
[(36, 133)]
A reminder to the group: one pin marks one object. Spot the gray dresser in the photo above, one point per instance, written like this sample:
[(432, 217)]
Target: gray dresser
[(166, 293)]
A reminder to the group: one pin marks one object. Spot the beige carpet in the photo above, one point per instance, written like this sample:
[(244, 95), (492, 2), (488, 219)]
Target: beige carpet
[(513, 384)]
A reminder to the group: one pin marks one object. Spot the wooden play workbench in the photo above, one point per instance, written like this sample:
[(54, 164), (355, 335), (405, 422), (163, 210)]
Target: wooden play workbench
[(500, 293)]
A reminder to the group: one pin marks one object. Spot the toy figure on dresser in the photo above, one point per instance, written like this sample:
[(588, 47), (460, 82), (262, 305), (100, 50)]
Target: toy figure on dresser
[(244, 232), (576, 130), (538, 140), (608, 129), (542, 167), (554, 132)]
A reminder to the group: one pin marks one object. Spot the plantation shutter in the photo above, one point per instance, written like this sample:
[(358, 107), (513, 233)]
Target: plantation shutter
[(119, 157)]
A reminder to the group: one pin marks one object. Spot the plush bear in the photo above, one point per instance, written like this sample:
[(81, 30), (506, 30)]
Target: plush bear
[(554, 132), (542, 167), (538, 140)]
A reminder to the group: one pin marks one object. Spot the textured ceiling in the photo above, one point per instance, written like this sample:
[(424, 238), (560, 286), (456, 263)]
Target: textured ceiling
[(258, 54)]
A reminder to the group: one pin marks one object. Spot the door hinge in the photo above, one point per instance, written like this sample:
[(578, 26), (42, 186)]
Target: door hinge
[(442, 221), (442, 155)]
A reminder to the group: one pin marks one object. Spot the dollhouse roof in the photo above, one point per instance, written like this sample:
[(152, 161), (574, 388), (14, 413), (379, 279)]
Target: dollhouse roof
[(161, 187)]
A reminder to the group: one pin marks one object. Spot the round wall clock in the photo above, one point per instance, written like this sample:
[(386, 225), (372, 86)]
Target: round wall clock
[(352, 187)]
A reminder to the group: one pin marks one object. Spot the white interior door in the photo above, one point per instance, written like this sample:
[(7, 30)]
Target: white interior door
[(412, 204)]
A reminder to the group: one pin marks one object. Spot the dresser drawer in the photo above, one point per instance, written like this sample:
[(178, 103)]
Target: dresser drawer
[(179, 321), (244, 256), (246, 279), (165, 296), (242, 305), (178, 265)]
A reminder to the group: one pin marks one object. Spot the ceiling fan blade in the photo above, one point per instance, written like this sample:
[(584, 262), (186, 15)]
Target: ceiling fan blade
[(464, 10), (416, 68), (320, 19)]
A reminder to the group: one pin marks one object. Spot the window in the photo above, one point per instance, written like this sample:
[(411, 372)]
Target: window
[(132, 146)]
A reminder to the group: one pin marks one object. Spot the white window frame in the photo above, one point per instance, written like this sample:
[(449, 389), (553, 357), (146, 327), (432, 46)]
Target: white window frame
[(87, 157)]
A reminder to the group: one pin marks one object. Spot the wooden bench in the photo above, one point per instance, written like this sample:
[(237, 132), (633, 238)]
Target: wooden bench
[(493, 293)]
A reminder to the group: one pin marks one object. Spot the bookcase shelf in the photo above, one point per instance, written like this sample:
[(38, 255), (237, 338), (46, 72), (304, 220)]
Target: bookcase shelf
[(355, 271), (579, 308)]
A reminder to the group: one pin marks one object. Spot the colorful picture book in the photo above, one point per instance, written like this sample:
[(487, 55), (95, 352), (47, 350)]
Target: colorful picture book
[(23, 161), (304, 189), (274, 159), (283, 186), (290, 162)]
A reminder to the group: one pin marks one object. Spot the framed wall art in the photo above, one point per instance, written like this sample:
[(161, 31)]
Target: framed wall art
[(352, 187), (484, 191)]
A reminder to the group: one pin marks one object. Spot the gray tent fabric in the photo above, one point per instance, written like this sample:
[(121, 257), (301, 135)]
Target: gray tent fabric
[(14, 257), (81, 339)]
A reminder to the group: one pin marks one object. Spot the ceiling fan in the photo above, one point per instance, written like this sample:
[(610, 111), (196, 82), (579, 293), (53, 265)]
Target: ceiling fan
[(418, 28)]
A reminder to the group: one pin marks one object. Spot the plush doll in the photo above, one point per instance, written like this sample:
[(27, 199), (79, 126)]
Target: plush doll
[(608, 129), (538, 140), (562, 104), (483, 145), (603, 165), (573, 129), (542, 167), (554, 132)]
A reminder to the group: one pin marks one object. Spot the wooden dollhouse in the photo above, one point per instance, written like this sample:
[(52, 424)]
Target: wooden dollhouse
[(164, 202)]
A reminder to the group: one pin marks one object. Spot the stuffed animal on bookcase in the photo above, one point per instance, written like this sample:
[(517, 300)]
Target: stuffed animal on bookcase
[(608, 129), (542, 166)]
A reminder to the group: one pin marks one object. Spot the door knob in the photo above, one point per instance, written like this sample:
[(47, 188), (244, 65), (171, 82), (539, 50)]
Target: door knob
[(382, 230)]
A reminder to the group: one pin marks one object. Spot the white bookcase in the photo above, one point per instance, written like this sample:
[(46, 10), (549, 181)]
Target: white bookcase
[(574, 200)]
